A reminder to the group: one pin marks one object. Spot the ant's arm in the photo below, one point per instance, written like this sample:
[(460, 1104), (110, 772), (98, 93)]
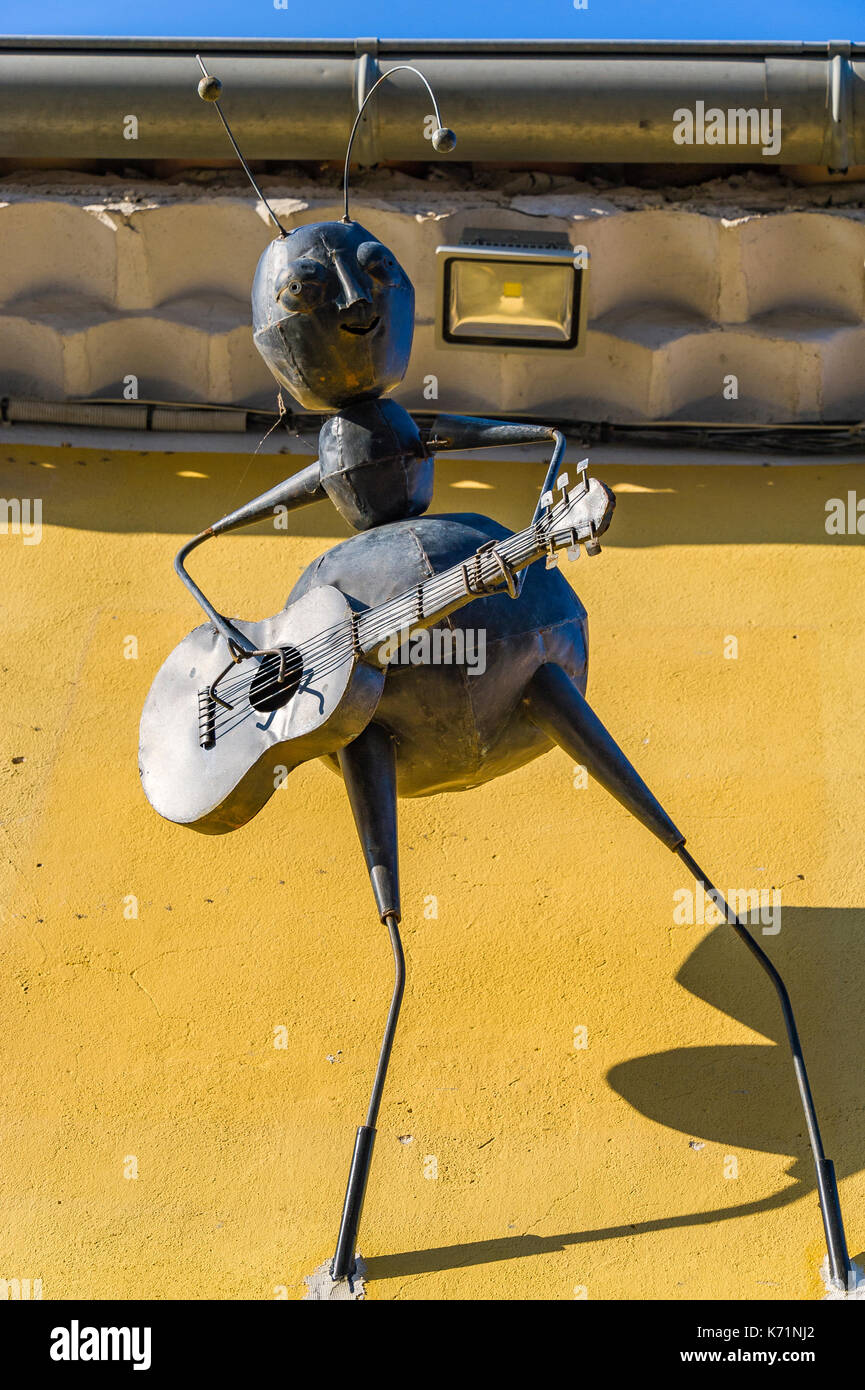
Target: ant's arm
[(458, 432), (294, 492), (451, 432)]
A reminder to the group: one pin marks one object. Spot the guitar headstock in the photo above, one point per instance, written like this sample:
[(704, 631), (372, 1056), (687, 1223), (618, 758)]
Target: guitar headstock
[(578, 515)]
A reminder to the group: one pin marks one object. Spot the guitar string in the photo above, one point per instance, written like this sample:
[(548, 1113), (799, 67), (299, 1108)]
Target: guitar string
[(333, 659), (382, 613), (338, 654), (333, 653), (435, 589), (385, 617), (224, 722)]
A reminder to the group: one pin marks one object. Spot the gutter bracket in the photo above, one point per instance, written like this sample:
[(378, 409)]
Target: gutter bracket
[(839, 99), (366, 73)]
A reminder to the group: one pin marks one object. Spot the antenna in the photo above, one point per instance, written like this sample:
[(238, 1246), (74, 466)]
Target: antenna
[(209, 89), (443, 139)]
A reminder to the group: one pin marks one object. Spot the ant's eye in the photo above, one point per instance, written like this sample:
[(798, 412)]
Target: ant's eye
[(302, 286), (378, 262)]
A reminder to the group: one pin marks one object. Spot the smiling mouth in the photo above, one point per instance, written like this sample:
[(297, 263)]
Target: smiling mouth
[(361, 329)]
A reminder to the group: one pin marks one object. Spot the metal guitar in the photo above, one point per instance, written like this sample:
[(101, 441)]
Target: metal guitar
[(312, 676)]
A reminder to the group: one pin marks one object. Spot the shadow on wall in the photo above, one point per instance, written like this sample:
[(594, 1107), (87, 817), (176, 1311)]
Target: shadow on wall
[(742, 1096), (666, 505)]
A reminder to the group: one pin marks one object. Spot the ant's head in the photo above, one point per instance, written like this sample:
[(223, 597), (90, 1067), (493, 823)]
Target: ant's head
[(333, 314), (332, 309)]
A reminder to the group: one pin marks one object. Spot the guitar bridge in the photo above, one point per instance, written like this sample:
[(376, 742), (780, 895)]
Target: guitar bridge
[(206, 719)]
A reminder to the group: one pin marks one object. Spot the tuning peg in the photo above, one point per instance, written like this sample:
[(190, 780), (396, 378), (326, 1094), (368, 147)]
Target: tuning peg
[(593, 547), (552, 560), (546, 499), (573, 552), (562, 482)]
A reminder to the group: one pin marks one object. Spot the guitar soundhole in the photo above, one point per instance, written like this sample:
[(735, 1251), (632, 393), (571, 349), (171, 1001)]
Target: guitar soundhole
[(267, 692)]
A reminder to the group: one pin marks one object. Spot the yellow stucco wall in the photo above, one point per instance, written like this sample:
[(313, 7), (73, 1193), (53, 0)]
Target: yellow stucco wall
[(607, 1168)]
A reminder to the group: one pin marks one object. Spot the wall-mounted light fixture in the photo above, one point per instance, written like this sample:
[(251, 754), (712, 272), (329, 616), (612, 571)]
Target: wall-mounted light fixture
[(516, 290)]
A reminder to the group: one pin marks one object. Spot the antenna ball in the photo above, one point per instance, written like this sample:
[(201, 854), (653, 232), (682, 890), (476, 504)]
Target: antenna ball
[(443, 140), (209, 88)]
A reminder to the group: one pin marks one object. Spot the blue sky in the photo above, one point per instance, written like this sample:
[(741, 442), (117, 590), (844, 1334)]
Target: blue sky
[(604, 19)]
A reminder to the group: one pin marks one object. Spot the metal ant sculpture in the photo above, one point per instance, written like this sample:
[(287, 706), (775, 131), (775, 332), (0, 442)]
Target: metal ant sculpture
[(333, 316)]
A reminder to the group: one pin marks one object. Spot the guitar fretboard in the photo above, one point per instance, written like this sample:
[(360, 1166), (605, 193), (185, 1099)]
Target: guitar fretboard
[(439, 595)]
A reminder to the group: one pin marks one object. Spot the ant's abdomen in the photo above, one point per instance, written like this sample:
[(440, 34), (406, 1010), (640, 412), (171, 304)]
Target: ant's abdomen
[(453, 694)]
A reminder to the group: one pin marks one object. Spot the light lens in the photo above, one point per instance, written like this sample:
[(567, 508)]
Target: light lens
[(510, 300)]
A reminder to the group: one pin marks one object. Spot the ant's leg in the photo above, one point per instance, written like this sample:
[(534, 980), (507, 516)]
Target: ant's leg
[(368, 767), (556, 706)]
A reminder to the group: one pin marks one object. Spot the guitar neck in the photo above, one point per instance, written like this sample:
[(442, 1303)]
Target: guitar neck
[(441, 594)]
